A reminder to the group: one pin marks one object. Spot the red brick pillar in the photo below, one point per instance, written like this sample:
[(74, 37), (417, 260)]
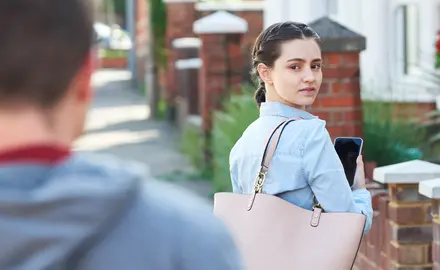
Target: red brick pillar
[(339, 100), (409, 234), (221, 35), (142, 39), (431, 189), (181, 15)]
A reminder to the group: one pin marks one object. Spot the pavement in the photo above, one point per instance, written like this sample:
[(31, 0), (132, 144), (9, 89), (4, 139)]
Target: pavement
[(118, 123)]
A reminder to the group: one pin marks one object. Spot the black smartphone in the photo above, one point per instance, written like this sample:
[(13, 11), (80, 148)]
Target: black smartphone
[(348, 149)]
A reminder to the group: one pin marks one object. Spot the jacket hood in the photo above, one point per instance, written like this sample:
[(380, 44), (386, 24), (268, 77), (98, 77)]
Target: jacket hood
[(51, 215)]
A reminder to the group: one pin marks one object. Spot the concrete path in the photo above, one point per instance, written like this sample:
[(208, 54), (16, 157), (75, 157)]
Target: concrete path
[(118, 124)]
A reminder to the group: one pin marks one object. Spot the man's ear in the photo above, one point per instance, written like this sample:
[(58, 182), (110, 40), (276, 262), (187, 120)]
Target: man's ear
[(264, 73), (84, 77)]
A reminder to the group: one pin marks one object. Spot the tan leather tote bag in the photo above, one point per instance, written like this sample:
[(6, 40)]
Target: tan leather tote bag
[(273, 234)]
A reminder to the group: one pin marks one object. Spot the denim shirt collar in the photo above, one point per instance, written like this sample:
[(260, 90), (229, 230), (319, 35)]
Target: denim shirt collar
[(279, 109)]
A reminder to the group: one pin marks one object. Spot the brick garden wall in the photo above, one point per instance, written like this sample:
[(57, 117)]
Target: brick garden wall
[(254, 19), (180, 19), (407, 110), (436, 234), (142, 38), (255, 22), (404, 234), (339, 100)]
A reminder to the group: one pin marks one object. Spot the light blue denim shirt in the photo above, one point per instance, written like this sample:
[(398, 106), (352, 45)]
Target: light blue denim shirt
[(305, 163)]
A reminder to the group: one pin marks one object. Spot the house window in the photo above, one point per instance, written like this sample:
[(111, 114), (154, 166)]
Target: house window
[(407, 38)]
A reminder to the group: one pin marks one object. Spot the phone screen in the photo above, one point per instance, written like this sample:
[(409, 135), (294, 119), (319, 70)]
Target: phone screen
[(348, 150)]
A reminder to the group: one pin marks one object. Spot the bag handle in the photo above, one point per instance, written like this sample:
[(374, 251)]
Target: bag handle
[(269, 151)]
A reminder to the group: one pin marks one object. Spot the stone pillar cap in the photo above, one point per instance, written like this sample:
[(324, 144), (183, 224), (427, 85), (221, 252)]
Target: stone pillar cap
[(410, 172), (430, 188), (187, 42), (191, 63), (220, 22), (336, 37), (179, 1)]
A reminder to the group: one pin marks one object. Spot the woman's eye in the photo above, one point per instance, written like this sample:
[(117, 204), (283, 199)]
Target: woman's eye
[(316, 66), (295, 67)]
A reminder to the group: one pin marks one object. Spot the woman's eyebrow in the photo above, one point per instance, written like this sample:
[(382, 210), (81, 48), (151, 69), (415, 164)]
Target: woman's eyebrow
[(302, 60)]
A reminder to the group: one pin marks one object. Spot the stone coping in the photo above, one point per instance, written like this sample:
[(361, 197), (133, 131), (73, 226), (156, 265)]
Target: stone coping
[(238, 6), (430, 188), (220, 22), (186, 42), (410, 172), (191, 63)]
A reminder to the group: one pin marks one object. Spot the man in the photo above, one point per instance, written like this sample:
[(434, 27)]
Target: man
[(60, 210)]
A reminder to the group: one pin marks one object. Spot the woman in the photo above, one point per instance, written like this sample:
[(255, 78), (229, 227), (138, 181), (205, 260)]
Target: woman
[(287, 61)]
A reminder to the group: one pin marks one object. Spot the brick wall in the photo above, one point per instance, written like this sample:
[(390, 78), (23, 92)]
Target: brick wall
[(406, 229), (339, 100), (142, 38), (435, 207), (401, 233), (116, 62), (221, 73), (180, 19), (407, 110), (373, 252), (410, 227), (254, 19)]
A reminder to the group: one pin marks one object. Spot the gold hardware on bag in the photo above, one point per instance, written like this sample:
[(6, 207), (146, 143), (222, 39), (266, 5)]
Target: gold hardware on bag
[(316, 205), (261, 178)]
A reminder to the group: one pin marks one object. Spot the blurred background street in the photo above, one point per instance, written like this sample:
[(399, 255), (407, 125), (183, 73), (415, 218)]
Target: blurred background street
[(174, 92), (119, 124)]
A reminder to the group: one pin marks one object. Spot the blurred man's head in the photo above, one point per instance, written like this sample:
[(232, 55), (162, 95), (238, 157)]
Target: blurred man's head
[(46, 63)]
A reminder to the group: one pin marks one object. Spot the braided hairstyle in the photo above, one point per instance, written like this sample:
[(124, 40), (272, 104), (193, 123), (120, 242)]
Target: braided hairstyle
[(266, 49)]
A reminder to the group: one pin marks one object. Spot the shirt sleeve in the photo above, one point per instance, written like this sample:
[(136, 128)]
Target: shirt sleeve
[(326, 177), (233, 173), (235, 187)]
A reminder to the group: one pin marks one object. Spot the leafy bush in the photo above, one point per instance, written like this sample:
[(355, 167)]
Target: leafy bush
[(158, 20), (191, 145), (430, 127), (239, 110), (387, 139)]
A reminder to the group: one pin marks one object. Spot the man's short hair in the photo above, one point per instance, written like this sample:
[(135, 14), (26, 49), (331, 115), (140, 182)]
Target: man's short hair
[(43, 44)]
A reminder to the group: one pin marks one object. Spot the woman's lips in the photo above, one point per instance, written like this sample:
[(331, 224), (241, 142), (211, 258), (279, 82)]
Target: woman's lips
[(309, 91)]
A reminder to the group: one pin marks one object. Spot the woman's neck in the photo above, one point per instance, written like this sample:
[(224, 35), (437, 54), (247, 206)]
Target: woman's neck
[(272, 96)]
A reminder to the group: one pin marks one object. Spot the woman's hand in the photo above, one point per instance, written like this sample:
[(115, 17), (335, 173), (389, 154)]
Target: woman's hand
[(359, 179)]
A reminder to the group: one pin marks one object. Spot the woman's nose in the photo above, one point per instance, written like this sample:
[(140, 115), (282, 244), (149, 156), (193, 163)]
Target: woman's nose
[(309, 76)]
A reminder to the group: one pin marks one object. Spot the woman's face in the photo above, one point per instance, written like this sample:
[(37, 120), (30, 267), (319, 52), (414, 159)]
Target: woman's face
[(296, 75)]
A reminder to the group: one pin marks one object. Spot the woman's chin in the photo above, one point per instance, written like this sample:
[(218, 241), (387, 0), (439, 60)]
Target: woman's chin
[(306, 101)]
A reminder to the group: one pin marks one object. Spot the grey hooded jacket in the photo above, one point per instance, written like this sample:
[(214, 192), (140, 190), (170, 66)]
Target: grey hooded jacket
[(96, 212)]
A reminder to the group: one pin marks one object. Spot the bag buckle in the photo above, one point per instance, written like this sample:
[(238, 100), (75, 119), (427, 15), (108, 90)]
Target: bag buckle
[(261, 178)]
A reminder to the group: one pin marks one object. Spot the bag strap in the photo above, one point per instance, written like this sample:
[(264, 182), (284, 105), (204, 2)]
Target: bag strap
[(269, 151)]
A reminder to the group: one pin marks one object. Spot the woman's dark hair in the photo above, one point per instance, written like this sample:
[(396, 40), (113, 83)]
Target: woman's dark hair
[(267, 48)]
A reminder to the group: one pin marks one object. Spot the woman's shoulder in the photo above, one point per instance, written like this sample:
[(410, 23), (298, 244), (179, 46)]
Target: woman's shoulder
[(296, 132), (309, 127)]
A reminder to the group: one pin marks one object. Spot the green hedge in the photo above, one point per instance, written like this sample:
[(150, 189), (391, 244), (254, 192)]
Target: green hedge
[(387, 141), (238, 112)]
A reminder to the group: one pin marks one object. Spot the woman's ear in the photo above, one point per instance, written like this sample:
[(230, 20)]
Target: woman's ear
[(264, 73)]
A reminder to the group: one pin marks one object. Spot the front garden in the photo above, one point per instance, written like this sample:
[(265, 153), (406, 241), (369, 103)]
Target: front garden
[(387, 139)]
